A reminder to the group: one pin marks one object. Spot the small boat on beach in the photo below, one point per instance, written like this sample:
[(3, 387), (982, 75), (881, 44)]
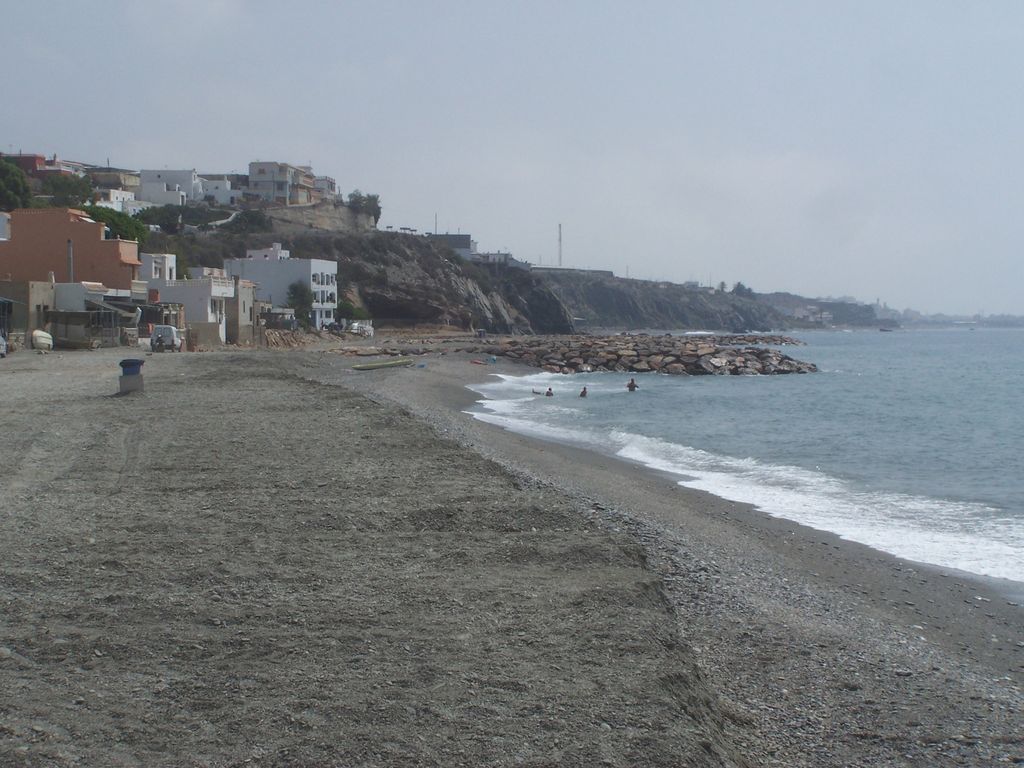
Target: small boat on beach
[(396, 362)]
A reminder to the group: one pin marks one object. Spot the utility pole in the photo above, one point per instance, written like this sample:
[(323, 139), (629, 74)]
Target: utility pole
[(435, 223), (71, 262), (559, 244)]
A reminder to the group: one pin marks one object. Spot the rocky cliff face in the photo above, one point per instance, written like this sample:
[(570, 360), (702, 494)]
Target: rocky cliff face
[(402, 279), (405, 279), (597, 301), (398, 279), (325, 216)]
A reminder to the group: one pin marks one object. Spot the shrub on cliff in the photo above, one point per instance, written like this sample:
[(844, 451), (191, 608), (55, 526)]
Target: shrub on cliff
[(14, 191), (121, 224), (249, 221), (360, 203), (70, 191)]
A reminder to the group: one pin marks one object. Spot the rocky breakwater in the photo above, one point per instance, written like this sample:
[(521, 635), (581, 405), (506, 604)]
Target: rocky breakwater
[(736, 355)]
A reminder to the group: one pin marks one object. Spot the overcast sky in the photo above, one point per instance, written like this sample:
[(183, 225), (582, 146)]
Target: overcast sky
[(862, 148)]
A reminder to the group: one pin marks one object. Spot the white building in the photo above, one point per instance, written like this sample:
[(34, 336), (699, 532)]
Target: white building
[(273, 270), (166, 187), (203, 296), (158, 266), (219, 189), (121, 200)]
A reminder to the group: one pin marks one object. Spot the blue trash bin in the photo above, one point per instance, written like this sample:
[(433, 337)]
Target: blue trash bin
[(131, 367)]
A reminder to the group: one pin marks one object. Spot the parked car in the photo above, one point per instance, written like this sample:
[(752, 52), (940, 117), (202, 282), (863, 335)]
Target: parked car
[(166, 337), (3, 346)]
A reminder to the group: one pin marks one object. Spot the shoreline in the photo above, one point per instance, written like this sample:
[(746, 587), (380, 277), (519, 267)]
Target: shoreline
[(1011, 590), (848, 612)]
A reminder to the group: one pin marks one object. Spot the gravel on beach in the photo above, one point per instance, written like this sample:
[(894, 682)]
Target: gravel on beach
[(266, 558)]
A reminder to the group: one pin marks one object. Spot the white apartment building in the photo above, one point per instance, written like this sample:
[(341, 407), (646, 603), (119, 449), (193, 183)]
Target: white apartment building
[(219, 188), (203, 296), (167, 187), (121, 200), (273, 270)]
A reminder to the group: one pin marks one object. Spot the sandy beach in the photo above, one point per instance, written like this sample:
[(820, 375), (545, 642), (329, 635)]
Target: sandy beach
[(268, 558)]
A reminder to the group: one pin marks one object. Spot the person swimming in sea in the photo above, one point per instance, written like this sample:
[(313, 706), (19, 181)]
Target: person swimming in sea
[(632, 386), (583, 392)]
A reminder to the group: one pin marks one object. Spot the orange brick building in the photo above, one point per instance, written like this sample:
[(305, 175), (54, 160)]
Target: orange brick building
[(38, 245)]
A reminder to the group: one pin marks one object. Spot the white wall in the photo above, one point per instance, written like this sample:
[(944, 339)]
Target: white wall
[(187, 181), (220, 190), (158, 266), (273, 276), (157, 192), (203, 299)]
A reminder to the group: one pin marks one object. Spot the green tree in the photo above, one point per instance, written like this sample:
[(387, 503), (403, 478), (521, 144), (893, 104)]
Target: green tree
[(741, 290), (300, 298), (71, 191), (349, 311), (14, 191), (360, 203), (121, 224), (371, 206), (167, 217)]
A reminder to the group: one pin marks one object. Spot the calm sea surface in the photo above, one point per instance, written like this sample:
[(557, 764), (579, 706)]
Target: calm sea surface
[(907, 441)]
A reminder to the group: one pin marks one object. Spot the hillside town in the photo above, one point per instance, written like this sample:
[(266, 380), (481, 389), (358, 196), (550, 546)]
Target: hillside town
[(68, 275), (71, 277)]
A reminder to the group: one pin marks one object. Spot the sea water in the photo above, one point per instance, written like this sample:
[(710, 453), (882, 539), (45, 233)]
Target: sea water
[(909, 441)]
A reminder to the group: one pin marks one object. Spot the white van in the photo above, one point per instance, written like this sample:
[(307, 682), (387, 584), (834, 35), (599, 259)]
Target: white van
[(166, 337)]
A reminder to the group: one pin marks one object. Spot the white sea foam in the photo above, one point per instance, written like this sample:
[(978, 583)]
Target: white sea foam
[(582, 438), (912, 527)]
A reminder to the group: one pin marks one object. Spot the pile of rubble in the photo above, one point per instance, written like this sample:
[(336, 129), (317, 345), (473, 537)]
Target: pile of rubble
[(277, 338)]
